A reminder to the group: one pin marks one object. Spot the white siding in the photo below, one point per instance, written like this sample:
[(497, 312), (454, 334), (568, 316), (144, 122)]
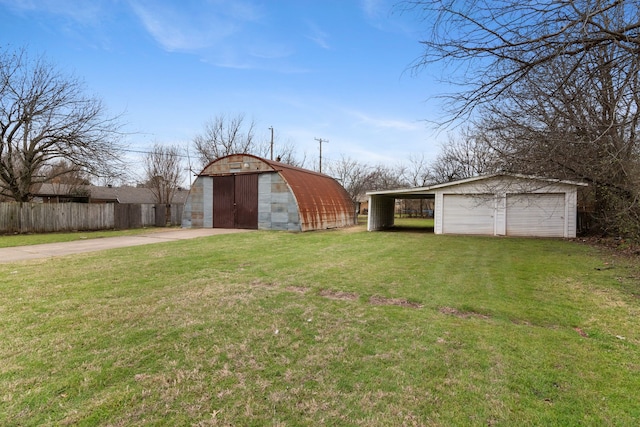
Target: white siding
[(501, 215), (541, 215), (381, 212), (571, 209), (468, 214), (437, 214)]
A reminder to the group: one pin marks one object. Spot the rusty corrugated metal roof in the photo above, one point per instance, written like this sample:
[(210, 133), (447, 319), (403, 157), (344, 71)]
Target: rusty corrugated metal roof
[(322, 201)]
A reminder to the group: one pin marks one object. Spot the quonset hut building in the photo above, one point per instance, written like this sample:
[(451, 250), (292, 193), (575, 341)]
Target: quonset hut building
[(245, 191)]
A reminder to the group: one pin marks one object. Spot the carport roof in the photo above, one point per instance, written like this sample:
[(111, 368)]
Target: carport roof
[(430, 191)]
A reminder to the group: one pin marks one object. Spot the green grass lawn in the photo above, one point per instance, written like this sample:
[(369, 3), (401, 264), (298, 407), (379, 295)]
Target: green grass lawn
[(323, 328)]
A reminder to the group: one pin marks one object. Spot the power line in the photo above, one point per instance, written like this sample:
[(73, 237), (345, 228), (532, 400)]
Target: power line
[(126, 150)]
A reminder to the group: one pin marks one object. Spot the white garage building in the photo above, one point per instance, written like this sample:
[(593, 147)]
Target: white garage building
[(498, 205)]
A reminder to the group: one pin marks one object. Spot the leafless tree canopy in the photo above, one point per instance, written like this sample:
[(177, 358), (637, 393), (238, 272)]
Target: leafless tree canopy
[(354, 176), (386, 177), (416, 172), (44, 118), (584, 128), (493, 44), (63, 172), (163, 171), (467, 154), (282, 152), (224, 135), (285, 153), (358, 178)]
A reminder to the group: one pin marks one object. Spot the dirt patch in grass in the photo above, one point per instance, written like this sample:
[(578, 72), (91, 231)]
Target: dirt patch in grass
[(617, 246), (374, 300), (338, 295), (401, 302), (581, 332), (261, 283), (462, 314), (353, 229), (519, 322), (298, 289)]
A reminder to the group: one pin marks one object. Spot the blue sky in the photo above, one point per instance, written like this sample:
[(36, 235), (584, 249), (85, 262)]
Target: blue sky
[(331, 69)]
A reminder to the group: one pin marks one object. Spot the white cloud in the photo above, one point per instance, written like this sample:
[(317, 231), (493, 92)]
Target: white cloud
[(385, 123), (176, 28), (270, 50), (374, 8), (388, 16), (318, 36), (226, 34), (85, 13)]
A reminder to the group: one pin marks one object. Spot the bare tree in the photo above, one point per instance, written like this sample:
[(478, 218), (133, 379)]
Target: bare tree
[(490, 45), (467, 154), (282, 152), (66, 178), (163, 170), (384, 177), (355, 177), (584, 129), (65, 173), (224, 135), (44, 118), (286, 153), (416, 172)]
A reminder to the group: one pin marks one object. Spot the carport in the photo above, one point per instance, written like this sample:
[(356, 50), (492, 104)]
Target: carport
[(498, 205)]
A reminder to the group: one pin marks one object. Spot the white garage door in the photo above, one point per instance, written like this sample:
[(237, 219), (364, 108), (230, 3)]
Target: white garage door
[(468, 214), (539, 215)]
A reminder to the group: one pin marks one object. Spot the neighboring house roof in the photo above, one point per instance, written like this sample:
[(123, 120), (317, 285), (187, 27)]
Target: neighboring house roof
[(122, 194), (107, 194)]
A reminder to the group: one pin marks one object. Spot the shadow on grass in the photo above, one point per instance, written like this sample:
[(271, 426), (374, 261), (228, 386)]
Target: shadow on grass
[(409, 229), (405, 225)]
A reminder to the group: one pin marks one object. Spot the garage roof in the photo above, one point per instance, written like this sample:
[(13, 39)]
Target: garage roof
[(430, 191)]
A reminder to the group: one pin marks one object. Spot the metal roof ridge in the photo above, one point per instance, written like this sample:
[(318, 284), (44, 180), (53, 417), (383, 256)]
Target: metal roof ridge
[(473, 179), (275, 164)]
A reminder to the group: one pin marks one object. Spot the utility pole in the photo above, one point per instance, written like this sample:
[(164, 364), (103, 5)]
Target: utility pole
[(271, 142), (320, 140)]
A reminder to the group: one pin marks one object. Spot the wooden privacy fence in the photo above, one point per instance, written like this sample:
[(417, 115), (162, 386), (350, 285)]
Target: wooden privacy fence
[(52, 217), (162, 215)]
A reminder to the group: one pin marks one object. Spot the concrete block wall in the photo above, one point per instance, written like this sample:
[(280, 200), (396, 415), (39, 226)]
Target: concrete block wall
[(198, 209), (277, 207)]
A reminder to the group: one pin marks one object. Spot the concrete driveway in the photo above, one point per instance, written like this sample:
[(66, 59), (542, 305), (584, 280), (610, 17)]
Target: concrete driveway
[(48, 250)]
